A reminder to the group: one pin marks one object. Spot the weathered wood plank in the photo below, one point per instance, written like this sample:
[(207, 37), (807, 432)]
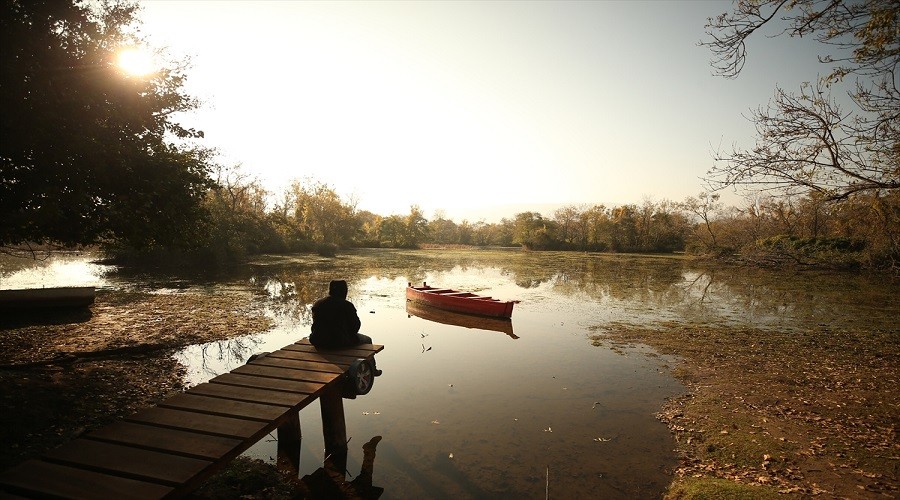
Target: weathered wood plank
[(200, 422), (300, 364), (286, 373), (224, 407), (360, 351), (320, 357), (45, 480), (251, 395), (127, 461), (167, 440), (275, 384)]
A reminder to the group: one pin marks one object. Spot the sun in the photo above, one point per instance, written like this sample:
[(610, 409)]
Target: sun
[(137, 61)]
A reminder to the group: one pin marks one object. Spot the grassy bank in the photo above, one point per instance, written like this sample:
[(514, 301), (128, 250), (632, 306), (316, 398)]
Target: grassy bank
[(774, 413)]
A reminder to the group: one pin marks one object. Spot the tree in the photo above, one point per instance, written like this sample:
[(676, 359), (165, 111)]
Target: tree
[(416, 227), (86, 152), (321, 214), (566, 219), (624, 236), (443, 230), (704, 208), (392, 231), (369, 225), (238, 224), (807, 142), (661, 226), (599, 228)]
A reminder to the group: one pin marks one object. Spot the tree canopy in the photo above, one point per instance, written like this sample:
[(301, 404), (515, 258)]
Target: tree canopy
[(807, 142), (87, 152)]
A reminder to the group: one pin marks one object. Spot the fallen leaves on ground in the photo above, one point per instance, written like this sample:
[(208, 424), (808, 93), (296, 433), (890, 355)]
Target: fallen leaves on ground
[(809, 413)]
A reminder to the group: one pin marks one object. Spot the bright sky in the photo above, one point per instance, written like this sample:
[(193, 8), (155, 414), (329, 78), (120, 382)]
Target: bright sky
[(478, 109)]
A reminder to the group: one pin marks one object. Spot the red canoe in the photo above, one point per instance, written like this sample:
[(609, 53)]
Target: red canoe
[(454, 300)]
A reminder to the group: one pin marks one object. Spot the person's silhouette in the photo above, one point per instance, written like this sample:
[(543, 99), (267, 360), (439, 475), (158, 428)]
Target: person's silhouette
[(335, 322)]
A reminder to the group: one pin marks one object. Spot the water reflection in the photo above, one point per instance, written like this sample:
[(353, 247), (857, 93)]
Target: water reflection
[(59, 269), (330, 480), (206, 361), (466, 414)]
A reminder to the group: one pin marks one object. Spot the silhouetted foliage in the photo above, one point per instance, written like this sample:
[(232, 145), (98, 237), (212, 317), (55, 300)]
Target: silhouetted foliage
[(87, 152)]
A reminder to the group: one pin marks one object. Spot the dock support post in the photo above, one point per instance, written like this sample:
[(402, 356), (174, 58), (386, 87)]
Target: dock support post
[(334, 428), (289, 439)]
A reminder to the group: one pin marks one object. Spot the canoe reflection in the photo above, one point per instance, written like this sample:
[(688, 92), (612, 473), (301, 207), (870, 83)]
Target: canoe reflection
[(459, 319)]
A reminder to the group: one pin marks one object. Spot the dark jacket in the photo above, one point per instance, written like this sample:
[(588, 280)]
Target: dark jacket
[(335, 323)]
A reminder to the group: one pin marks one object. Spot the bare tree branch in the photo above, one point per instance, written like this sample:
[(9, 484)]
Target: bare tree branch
[(806, 142)]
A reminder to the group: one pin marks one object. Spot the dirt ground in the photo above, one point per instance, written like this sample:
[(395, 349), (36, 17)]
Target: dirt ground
[(780, 414), (64, 375)]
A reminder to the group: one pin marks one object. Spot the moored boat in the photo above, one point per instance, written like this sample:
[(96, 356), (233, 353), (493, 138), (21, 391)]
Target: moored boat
[(457, 301), (38, 298)]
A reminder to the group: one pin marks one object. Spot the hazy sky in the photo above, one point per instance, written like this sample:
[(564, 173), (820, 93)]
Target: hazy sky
[(469, 106)]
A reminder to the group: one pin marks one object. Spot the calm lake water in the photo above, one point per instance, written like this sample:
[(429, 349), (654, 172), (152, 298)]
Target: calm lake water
[(476, 413)]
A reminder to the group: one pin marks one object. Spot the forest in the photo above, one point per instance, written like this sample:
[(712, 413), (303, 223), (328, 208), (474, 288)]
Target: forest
[(858, 232)]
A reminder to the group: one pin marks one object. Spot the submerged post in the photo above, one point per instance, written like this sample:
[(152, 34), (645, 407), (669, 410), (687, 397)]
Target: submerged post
[(289, 438), (334, 427)]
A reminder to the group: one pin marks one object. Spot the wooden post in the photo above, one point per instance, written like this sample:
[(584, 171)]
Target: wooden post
[(334, 428), (289, 438)]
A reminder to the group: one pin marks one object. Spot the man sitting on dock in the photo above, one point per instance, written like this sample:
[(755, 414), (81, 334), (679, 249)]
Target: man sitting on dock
[(335, 322)]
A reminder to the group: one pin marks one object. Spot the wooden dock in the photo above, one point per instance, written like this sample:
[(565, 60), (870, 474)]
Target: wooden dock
[(169, 450)]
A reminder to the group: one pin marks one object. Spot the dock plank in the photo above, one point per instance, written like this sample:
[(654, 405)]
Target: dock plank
[(360, 351), (251, 395), (127, 461), (168, 440), (275, 384), (286, 373), (225, 407), (319, 357), (300, 364), (199, 422), (35, 478)]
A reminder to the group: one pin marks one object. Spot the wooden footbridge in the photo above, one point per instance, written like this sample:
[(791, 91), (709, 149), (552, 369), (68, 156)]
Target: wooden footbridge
[(169, 450)]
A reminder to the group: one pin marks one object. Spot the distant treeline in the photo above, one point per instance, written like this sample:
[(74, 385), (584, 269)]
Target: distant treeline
[(310, 216)]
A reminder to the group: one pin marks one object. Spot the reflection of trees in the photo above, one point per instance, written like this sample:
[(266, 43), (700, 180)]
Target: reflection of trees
[(763, 296), (288, 285), (217, 357), (598, 276), (289, 296), (752, 294)]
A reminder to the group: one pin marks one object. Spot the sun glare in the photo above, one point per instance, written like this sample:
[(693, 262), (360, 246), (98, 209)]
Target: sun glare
[(137, 62)]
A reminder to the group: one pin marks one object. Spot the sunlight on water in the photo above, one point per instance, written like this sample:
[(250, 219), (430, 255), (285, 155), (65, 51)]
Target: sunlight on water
[(61, 269)]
